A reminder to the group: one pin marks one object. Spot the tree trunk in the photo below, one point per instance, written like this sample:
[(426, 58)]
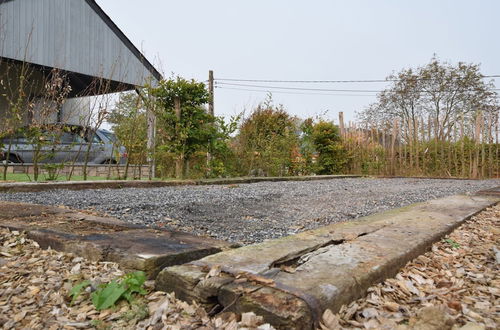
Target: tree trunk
[(179, 166), (7, 157), (185, 169)]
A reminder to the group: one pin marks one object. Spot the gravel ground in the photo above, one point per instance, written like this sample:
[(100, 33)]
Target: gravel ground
[(249, 213)]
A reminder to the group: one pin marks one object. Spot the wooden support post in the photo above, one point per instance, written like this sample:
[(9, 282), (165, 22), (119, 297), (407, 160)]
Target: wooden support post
[(151, 132), (416, 145), (477, 141), (402, 154), (483, 141), (490, 146), (179, 162), (456, 169), (211, 112), (429, 128), (211, 92), (424, 145), (384, 152), (151, 119), (462, 146), (497, 143), (410, 145), (393, 145), (341, 124)]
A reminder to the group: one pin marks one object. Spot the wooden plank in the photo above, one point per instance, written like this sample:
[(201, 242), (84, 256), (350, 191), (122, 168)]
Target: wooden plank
[(292, 280)]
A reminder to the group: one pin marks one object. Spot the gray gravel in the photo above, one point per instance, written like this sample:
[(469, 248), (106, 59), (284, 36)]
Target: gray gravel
[(249, 213)]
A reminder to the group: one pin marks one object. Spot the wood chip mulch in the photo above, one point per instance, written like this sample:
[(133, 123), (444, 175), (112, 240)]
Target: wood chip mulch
[(454, 286), (35, 286)]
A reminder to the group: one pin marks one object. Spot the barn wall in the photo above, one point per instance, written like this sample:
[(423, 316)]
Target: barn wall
[(3, 113), (74, 110), (10, 82)]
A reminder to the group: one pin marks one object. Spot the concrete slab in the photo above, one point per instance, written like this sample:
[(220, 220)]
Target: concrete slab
[(292, 280), (106, 239), (12, 187)]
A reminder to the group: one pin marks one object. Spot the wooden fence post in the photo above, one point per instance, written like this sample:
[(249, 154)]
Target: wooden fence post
[(341, 124), (179, 162)]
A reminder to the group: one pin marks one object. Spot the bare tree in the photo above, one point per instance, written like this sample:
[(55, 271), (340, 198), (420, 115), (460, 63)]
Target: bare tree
[(46, 107)]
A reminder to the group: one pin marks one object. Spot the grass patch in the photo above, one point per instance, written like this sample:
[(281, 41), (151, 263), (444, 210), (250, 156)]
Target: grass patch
[(21, 177)]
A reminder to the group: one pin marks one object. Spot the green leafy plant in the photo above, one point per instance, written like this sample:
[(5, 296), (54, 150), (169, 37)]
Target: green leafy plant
[(184, 125), (453, 243), (266, 140), (77, 290), (332, 156), (52, 170), (108, 294), (129, 121), (134, 282)]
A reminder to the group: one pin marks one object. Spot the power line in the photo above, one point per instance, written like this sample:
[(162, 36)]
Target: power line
[(301, 81), (295, 93), (331, 81), (318, 89), (300, 88), (292, 93)]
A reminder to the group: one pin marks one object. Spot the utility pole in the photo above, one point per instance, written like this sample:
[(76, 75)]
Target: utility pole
[(210, 109), (211, 92), (341, 124)]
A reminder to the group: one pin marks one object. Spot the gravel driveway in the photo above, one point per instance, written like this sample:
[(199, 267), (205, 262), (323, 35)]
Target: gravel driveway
[(249, 213)]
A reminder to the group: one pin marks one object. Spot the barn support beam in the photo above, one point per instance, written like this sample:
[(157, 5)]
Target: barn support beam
[(151, 144), (150, 103)]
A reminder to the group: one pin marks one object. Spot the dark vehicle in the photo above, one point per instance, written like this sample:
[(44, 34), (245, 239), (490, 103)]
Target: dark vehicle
[(61, 144)]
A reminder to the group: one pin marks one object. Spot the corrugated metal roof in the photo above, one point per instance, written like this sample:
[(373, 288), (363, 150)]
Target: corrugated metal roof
[(71, 35)]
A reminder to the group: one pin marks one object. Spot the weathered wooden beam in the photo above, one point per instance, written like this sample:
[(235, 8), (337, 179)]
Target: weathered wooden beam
[(133, 247), (291, 281)]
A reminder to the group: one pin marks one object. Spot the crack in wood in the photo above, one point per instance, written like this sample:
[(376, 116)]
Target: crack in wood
[(296, 259), (292, 260)]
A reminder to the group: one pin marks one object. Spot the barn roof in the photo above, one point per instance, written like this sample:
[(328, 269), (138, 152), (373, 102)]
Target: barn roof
[(124, 38), (75, 36)]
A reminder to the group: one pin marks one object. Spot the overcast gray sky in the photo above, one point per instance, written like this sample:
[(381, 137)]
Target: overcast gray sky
[(307, 40)]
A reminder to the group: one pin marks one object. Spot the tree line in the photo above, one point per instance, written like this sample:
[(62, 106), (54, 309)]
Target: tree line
[(267, 142), (439, 119), (434, 120)]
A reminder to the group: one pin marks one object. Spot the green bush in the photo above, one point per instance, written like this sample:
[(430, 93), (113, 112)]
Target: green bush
[(332, 156)]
